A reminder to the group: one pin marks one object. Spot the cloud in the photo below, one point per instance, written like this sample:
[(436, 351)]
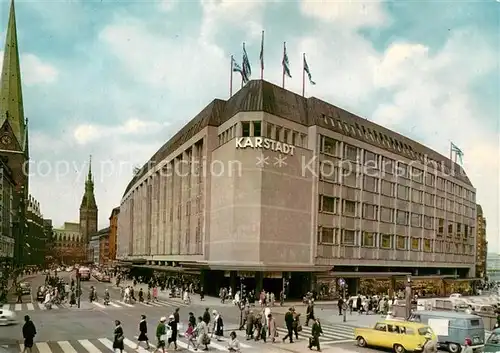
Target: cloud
[(168, 5), (86, 133), (34, 70)]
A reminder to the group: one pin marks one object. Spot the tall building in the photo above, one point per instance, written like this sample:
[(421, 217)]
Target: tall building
[(36, 239), (88, 208), (113, 233), (49, 234), (276, 188), (14, 132), (68, 244), (7, 240), (481, 243)]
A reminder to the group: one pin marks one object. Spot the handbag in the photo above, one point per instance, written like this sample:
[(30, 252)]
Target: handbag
[(206, 339), (299, 328), (163, 338)]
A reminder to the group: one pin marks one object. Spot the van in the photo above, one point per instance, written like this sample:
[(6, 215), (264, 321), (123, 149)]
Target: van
[(453, 329)]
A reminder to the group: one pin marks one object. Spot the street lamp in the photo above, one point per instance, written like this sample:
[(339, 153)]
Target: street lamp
[(408, 296)]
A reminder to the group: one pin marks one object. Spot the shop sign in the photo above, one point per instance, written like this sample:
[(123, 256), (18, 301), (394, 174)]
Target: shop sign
[(246, 274), (264, 143), (272, 275)]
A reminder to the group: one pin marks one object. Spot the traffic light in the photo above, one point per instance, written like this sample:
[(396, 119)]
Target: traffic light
[(242, 288)]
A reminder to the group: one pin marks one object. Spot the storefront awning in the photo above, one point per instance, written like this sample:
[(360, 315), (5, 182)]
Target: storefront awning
[(169, 269), (267, 267)]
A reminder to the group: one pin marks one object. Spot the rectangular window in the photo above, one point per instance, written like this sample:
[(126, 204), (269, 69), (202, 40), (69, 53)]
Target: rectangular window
[(257, 128), (329, 145), (370, 211), (430, 179), (350, 178), (328, 204), (401, 242), (459, 229), (370, 183), (402, 170), (327, 235), (388, 165), (245, 128), (350, 153), (466, 230), (429, 199), (368, 239), (286, 134), (440, 202), (403, 192), (440, 226), (449, 205), (328, 172), (417, 175), (427, 245), (416, 196), (450, 229), (428, 222), (440, 183), (349, 208), (402, 218), (279, 136), (348, 237), (386, 241), (416, 220), (387, 214), (269, 128), (371, 159), (415, 244), (387, 188)]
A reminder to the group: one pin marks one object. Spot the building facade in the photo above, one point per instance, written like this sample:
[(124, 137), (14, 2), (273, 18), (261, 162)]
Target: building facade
[(49, 234), (93, 249), (481, 243), (493, 267), (88, 208), (68, 243), (7, 213), (14, 134), (104, 235), (280, 188), (36, 240), (113, 233)]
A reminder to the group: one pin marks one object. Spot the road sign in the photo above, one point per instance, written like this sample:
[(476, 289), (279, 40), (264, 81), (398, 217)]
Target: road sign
[(341, 282)]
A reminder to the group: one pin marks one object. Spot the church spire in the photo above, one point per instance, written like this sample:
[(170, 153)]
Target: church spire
[(89, 176), (11, 96), (88, 200)]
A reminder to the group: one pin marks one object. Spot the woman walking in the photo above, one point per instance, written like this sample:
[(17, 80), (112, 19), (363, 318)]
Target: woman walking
[(202, 334), (29, 332), (118, 337), (218, 325), (172, 323), (161, 334), (143, 332), (271, 325)]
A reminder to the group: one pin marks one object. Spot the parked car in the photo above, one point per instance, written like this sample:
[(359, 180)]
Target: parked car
[(492, 344), (401, 336), (7, 317)]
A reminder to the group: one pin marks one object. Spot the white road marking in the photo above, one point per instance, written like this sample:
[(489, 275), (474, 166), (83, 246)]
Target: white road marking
[(66, 347), (43, 347), (41, 306), (107, 343), (337, 341), (126, 304), (18, 307), (98, 305), (115, 305), (30, 306), (132, 345), (6, 307), (89, 346), (243, 345)]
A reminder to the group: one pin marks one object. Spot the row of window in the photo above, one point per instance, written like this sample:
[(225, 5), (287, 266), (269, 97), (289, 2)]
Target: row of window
[(351, 153), (402, 192), (328, 204), (335, 236)]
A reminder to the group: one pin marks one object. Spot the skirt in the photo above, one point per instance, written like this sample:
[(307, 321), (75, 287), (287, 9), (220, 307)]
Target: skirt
[(28, 342), (118, 344), (160, 344), (143, 337)]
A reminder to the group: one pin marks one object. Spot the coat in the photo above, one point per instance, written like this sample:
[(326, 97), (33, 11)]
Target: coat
[(272, 327)]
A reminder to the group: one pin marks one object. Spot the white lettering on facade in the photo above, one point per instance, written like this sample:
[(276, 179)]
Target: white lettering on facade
[(264, 143)]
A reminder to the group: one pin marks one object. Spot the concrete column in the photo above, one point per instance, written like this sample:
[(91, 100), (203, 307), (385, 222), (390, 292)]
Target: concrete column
[(252, 128), (233, 281), (392, 286), (259, 282)]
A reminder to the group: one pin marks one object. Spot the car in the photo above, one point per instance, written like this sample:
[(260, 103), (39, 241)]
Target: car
[(105, 278), (25, 287), (7, 317), (401, 336)]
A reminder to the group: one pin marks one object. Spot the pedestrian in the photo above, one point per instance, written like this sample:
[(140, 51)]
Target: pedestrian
[(289, 320), (202, 332), (143, 332), (72, 298), (340, 304), (297, 327), (161, 334), (172, 323), (218, 329), (271, 326), (29, 333), (430, 345), (155, 293), (316, 331), (118, 337), (177, 317), (233, 345), (206, 316), (191, 335), (310, 312)]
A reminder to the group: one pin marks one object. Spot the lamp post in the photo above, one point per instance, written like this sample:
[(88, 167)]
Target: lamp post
[(343, 286), (408, 296)]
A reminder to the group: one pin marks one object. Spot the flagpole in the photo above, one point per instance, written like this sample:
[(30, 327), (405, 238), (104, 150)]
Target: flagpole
[(451, 151), (283, 63), (303, 74), (231, 79), (262, 59)]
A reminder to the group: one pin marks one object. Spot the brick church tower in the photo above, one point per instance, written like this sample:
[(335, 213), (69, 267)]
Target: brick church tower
[(14, 134), (88, 209)]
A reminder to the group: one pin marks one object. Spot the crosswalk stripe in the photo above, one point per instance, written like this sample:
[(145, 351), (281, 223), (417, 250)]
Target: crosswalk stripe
[(185, 346), (18, 307), (30, 306), (43, 347), (337, 341), (6, 307), (66, 347), (98, 305), (114, 305), (54, 306), (21, 347), (132, 345), (89, 346), (107, 343), (126, 304), (145, 304), (40, 306), (243, 345)]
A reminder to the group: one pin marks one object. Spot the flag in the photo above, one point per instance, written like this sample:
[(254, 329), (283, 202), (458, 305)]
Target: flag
[(247, 69), (458, 152), (237, 68), (306, 69), (285, 62), (262, 52)]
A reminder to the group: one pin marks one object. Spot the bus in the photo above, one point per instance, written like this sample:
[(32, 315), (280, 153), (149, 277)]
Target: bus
[(84, 273)]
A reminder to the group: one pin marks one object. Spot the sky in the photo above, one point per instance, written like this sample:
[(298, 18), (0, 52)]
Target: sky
[(116, 79)]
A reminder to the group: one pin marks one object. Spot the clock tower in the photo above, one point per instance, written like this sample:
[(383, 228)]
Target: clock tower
[(88, 209)]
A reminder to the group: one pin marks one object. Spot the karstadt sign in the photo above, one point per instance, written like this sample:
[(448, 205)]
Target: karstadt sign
[(264, 143)]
